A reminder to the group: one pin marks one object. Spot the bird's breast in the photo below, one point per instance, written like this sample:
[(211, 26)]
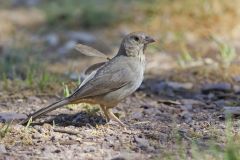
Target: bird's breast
[(138, 67)]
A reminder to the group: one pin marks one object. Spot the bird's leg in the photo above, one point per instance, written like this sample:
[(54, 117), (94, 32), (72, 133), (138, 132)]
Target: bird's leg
[(105, 113), (113, 117)]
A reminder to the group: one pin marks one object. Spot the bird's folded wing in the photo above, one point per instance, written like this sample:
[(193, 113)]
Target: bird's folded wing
[(94, 67), (103, 82)]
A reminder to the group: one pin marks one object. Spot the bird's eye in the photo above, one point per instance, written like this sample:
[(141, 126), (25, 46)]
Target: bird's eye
[(136, 39)]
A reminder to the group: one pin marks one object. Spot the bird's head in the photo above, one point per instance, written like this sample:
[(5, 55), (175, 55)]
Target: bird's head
[(135, 43)]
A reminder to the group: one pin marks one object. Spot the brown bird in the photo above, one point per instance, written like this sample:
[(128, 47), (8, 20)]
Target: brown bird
[(109, 82)]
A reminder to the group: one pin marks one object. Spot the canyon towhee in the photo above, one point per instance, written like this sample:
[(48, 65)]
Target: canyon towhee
[(111, 81)]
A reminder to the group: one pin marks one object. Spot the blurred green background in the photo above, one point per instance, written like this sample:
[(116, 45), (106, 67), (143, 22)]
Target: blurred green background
[(37, 37)]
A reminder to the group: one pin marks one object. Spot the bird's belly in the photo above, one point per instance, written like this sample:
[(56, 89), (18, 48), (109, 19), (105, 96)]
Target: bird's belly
[(115, 97)]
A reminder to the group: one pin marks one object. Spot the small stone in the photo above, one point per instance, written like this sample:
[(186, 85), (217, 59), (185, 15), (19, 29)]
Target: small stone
[(220, 87), (88, 149), (2, 149), (137, 115), (20, 100), (168, 102), (57, 151), (32, 99), (231, 110), (180, 86), (220, 102), (110, 139), (236, 89), (170, 86), (141, 142), (36, 135), (9, 116), (191, 102), (187, 116), (186, 107)]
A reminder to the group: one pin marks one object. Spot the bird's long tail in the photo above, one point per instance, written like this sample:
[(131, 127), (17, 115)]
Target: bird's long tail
[(46, 110)]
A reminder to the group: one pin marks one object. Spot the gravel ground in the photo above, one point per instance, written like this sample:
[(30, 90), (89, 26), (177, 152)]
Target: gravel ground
[(155, 123)]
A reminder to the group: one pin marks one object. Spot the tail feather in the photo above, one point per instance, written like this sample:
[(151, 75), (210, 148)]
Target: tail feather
[(46, 110)]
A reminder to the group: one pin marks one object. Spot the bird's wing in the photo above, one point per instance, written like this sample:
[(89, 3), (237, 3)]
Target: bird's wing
[(89, 51), (107, 79), (94, 67)]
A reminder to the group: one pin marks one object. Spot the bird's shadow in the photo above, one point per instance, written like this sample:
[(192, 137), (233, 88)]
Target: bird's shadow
[(159, 88), (78, 120)]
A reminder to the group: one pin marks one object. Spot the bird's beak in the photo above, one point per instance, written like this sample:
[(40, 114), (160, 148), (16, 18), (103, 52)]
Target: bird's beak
[(149, 39)]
